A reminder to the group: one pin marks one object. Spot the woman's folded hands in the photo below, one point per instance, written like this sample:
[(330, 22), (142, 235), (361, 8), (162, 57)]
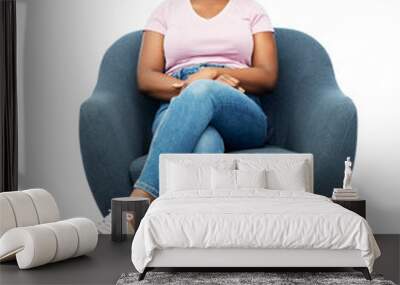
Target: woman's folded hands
[(213, 74)]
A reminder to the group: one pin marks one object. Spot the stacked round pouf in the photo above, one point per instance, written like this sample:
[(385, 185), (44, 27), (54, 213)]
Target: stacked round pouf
[(31, 230)]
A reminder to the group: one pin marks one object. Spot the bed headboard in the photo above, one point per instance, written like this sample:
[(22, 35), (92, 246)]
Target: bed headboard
[(209, 158)]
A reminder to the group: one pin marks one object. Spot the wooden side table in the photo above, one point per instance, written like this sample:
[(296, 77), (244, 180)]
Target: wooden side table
[(357, 206)]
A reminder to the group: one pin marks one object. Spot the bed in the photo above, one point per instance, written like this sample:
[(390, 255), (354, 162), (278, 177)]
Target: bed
[(247, 210)]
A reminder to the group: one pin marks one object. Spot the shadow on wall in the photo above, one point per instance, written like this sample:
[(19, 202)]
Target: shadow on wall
[(51, 78)]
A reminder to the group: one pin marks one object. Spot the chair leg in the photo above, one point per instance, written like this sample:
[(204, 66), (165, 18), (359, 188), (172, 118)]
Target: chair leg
[(143, 274), (364, 271)]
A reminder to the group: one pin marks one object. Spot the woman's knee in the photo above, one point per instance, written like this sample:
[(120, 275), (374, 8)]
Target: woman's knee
[(210, 142), (200, 101), (195, 100), (199, 90), (200, 86)]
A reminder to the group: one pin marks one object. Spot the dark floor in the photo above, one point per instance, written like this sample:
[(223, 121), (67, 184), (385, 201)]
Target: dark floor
[(103, 266), (110, 260)]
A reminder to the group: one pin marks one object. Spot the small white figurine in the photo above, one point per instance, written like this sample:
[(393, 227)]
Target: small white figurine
[(347, 174)]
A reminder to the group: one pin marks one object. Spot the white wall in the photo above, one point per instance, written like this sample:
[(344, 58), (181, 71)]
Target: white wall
[(61, 43)]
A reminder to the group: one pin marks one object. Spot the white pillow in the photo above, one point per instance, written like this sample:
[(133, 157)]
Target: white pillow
[(251, 178), (290, 174), (223, 179), (227, 179), (293, 179), (186, 175), (181, 177)]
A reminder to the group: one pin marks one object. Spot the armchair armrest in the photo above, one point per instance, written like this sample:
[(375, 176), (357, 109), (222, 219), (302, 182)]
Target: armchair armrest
[(115, 123), (112, 130), (329, 131), (307, 112)]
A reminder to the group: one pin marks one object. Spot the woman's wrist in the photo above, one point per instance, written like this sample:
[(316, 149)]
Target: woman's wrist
[(205, 73), (178, 84), (214, 71)]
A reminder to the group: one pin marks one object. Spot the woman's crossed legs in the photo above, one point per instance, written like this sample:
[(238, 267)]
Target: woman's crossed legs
[(207, 117)]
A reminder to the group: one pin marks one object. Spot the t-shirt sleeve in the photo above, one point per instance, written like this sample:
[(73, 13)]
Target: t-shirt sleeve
[(157, 21), (260, 21)]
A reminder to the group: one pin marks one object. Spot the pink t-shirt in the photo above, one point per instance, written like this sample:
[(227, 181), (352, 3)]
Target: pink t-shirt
[(224, 39)]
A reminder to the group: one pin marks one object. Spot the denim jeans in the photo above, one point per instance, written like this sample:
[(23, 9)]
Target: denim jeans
[(207, 117)]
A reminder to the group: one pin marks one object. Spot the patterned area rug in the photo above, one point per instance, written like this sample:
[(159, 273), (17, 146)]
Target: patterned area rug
[(244, 278)]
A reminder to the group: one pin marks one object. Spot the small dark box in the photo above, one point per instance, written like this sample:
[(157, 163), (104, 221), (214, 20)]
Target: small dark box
[(126, 214)]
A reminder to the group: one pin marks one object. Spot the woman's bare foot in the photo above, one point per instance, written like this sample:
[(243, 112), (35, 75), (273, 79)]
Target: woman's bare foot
[(137, 192)]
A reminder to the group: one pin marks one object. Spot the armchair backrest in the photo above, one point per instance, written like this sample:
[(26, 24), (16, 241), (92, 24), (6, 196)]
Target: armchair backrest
[(304, 68), (118, 76)]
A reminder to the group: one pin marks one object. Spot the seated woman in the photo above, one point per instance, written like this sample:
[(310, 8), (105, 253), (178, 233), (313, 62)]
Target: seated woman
[(208, 61)]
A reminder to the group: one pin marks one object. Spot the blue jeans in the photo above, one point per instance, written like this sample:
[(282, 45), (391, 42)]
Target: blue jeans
[(207, 117)]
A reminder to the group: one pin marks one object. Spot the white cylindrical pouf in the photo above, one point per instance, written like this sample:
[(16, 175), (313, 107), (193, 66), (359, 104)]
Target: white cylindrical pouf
[(34, 245), (40, 244), (23, 208), (7, 218), (87, 233), (31, 232), (46, 206), (67, 239)]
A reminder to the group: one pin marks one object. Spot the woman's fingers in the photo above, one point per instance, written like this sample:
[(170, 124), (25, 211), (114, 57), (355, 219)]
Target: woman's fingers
[(230, 80), (181, 85), (178, 85), (241, 89), (224, 78)]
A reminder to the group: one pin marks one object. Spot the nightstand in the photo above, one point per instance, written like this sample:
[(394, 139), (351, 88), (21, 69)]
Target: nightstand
[(121, 209), (357, 206)]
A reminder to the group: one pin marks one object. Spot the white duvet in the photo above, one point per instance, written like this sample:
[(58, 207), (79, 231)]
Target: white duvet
[(252, 218)]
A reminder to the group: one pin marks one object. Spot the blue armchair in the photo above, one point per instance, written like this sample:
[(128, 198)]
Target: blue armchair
[(307, 113)]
